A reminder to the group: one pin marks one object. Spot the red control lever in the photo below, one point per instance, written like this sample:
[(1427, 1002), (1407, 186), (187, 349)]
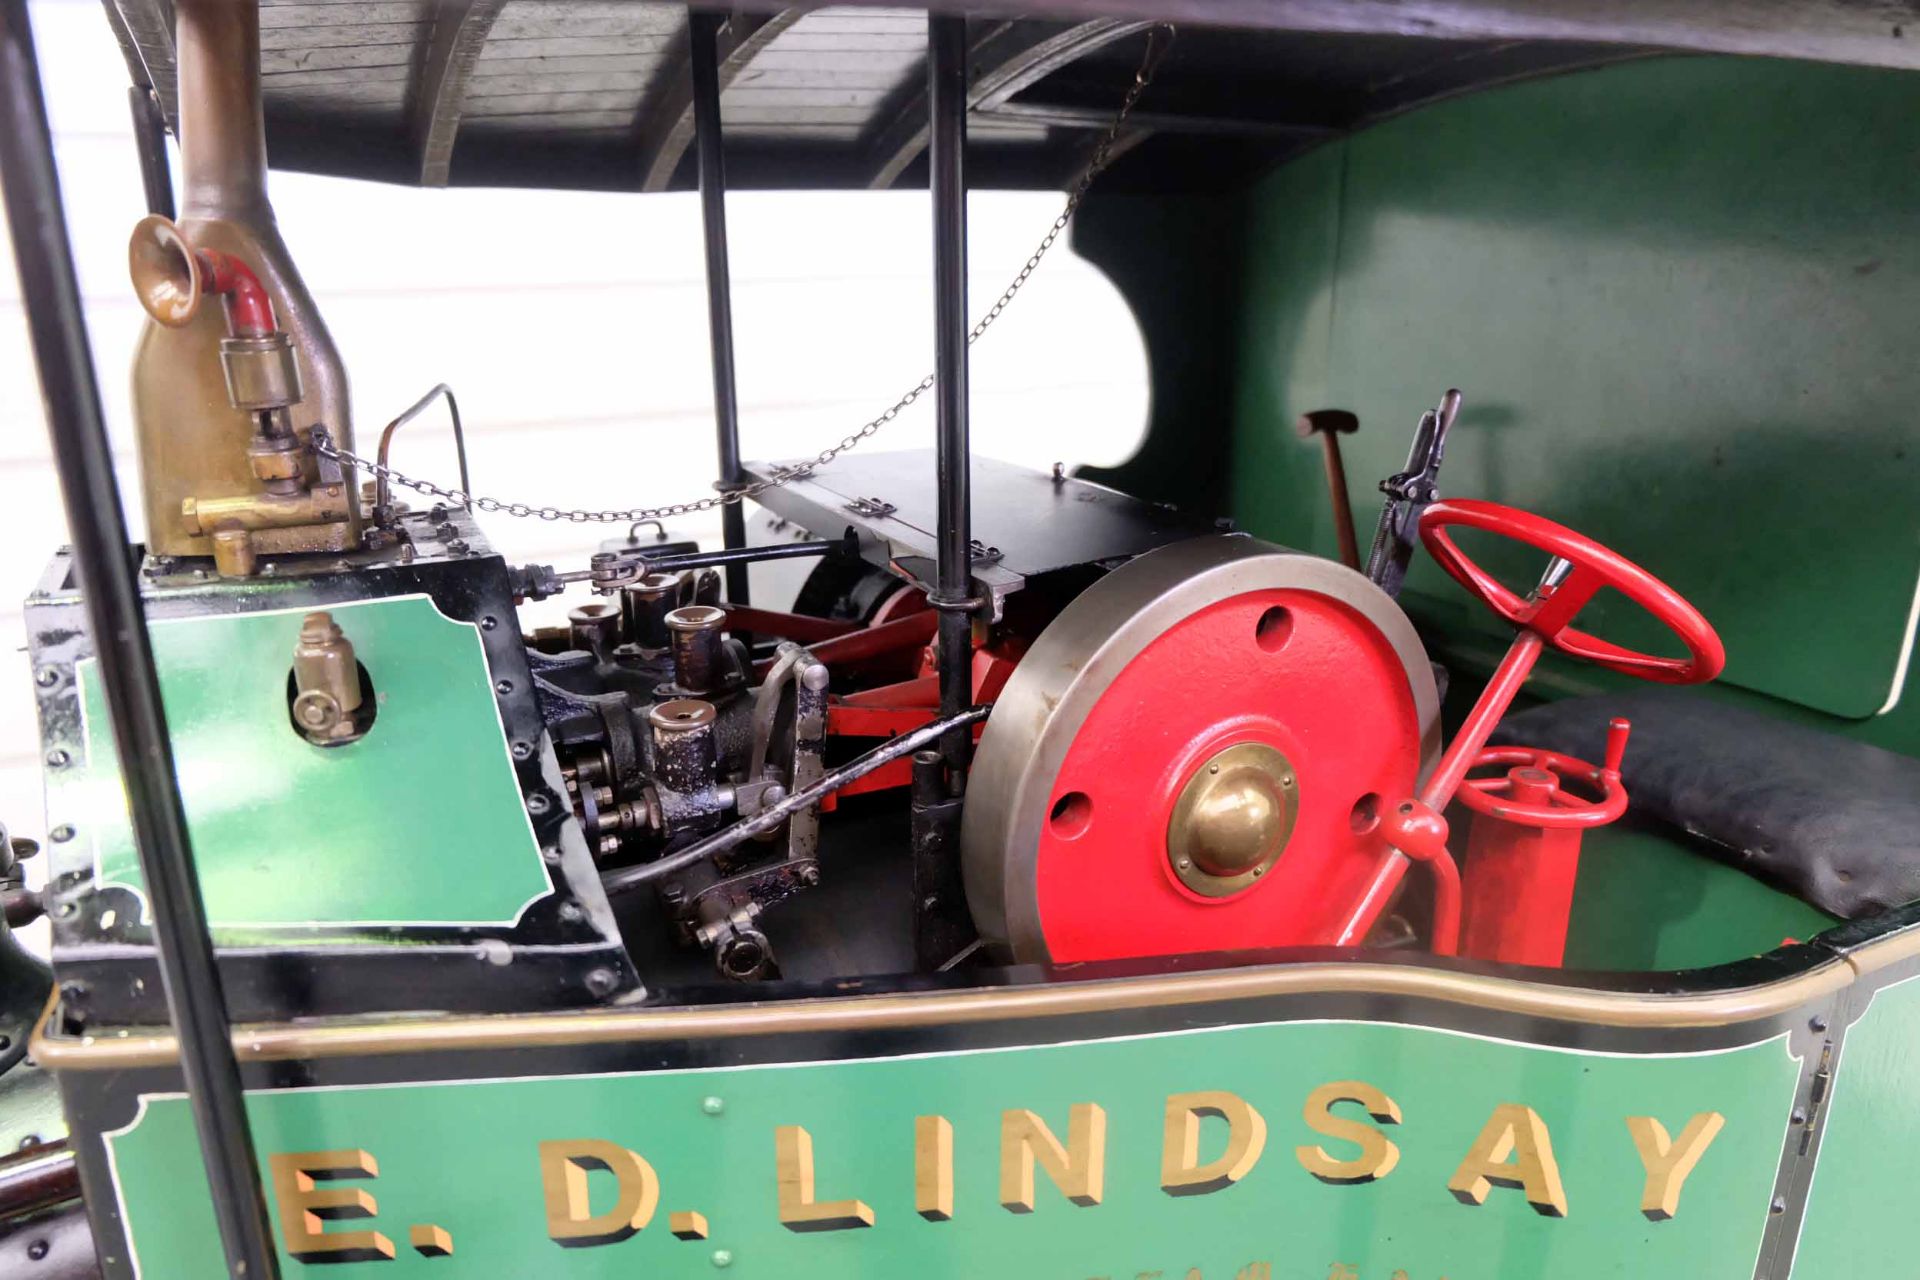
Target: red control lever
[(1523, 852), (1415, 829)]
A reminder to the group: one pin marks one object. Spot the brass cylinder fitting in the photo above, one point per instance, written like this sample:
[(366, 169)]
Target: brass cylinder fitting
[(261, 372), (326, 678), (594, 628), (696, 631), (685, 757), (646, 604), (322, 504)]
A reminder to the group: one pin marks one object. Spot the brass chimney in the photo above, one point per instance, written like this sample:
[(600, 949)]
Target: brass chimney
[(193, 438)]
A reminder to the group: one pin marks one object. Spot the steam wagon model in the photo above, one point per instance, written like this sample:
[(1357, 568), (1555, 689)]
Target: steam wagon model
[(1103, 873)]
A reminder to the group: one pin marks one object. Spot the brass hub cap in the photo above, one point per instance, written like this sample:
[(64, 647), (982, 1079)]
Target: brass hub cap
[(1232, 819)]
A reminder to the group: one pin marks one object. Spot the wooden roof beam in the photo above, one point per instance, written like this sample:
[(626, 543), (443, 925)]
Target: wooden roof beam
[(460, 29), (1006, 59), (663, 127)]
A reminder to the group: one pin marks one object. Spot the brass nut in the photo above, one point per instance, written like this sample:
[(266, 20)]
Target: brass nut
[(275, 464)]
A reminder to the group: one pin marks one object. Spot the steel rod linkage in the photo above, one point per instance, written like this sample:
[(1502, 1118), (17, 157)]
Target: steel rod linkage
[(770, 818), (703, 27), (117, 620), (150, 141), (946, 156)]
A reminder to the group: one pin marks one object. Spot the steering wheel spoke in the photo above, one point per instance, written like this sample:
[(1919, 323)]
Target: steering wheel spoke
[(1555, 607)]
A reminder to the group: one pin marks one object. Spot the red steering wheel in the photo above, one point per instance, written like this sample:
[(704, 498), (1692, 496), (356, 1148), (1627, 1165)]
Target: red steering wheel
[(1549, 612)]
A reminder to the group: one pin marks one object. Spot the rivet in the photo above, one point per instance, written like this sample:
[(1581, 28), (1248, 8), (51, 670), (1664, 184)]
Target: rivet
[(1213, 768), (1779, 1204), (46, 677), (58, 758), (489, 622), (503, 687), (61, 834), (571, 911), (537, 803), (31, 1140), (601, 981), (723, 1258), (712, 1105), (65, 910), (1799, 1115), (37, 1250), (1186, 864), (522, 750), (1818, 1022), (551, 853)]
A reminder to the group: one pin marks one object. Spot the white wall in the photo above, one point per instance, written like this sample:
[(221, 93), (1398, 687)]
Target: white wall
[(573, 328)]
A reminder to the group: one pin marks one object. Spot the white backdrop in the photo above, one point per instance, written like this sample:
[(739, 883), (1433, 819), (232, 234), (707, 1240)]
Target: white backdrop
[(573, 328)]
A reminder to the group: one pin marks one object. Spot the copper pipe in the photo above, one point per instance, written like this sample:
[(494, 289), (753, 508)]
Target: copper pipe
[(223, 140)]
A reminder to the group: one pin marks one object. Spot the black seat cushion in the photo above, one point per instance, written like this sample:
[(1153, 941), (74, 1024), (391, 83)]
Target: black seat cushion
[(1832, 821)]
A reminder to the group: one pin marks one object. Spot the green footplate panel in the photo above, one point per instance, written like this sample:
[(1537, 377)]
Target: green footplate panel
[(1350, 1150), (288, 834)]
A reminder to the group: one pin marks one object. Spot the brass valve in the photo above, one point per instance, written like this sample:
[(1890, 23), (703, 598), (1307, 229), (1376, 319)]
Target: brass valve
[(326, 677)]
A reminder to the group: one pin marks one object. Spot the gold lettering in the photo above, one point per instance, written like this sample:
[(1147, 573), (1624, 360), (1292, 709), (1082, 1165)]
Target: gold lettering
[(1181, 1173), (430, 1241), (571, 1222), (686, 1224), (933, 1168), (1078, 1168), (1668, 1160), (1514, 1150), (799, 1211), (306, 1207), (1378, 1154)]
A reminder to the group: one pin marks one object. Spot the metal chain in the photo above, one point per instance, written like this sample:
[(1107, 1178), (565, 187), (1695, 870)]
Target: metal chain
[(1159, 40)]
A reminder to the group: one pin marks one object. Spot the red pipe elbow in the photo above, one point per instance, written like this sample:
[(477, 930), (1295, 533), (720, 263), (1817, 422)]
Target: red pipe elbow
[(249, 309)]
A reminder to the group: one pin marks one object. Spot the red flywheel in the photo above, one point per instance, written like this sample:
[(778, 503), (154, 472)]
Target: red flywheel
[(1192, 756)]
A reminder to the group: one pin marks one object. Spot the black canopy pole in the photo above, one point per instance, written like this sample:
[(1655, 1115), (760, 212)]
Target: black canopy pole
[(150, 140), (946, 156), (703, 28), (104, 560)]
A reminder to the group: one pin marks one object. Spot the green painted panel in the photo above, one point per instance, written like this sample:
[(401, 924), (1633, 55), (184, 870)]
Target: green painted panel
[(1645, 901), (464, 1157), (1858, 1218), (288, 833), (1679, 294)]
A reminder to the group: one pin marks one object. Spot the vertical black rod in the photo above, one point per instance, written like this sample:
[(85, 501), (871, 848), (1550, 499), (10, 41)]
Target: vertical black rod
[(103, 557), (150, 140), (947, 105), (703, 26)]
